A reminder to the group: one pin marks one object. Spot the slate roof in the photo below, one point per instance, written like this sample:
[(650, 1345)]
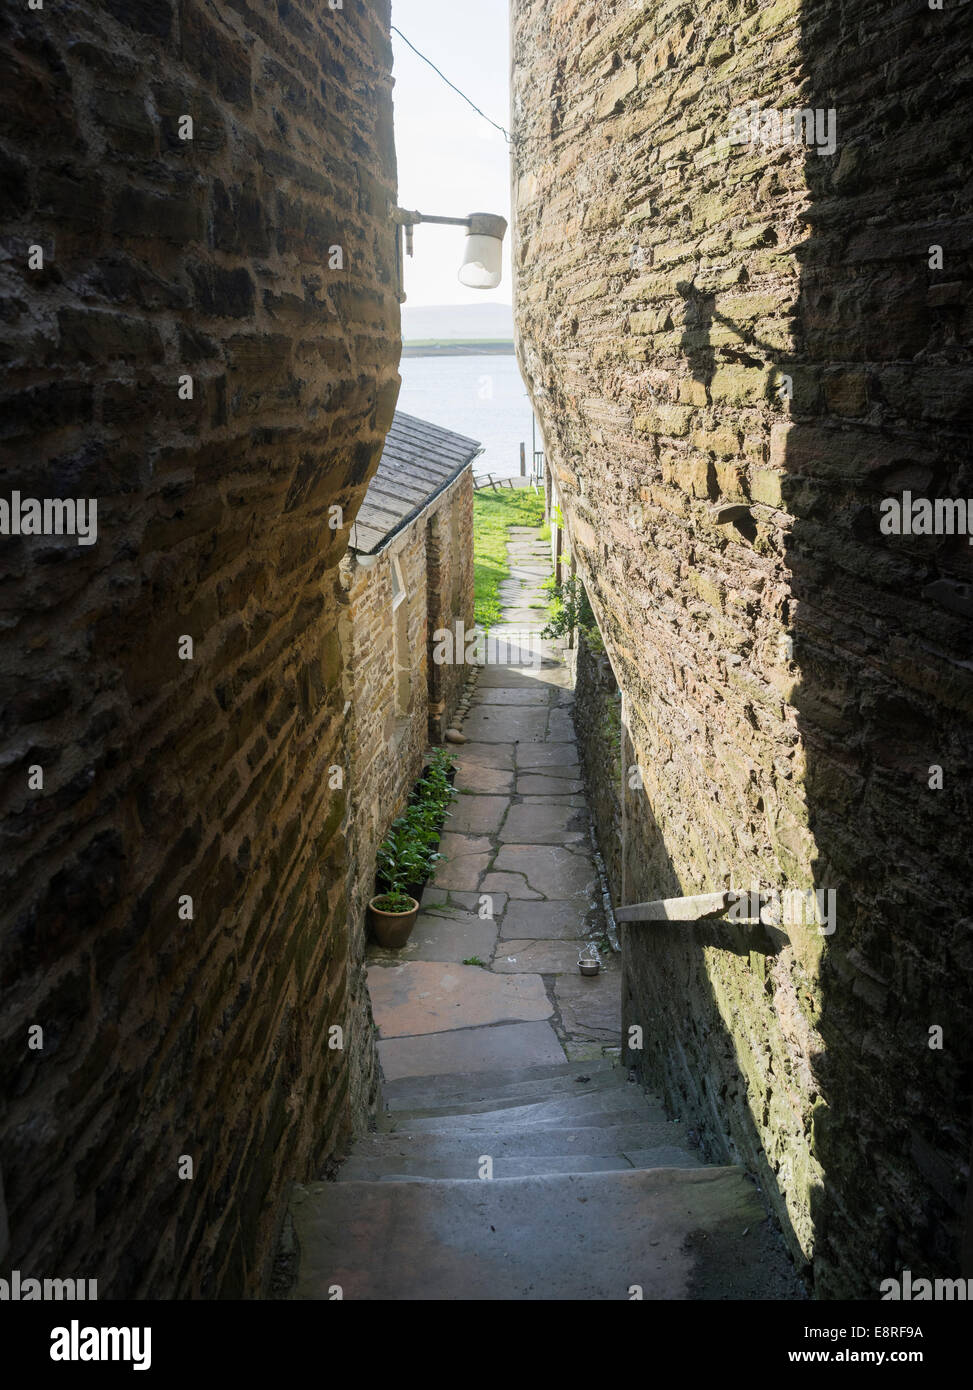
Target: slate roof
[(419, 461)]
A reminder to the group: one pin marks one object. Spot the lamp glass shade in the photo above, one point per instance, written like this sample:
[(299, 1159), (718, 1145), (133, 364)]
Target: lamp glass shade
[(481, 262)]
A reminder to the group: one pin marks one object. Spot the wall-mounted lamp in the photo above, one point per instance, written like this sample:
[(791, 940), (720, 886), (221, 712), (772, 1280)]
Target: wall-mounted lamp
[(480, 269)]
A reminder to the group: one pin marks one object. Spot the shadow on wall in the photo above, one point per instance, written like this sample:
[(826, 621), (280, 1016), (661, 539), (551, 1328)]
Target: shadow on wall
[(881, 681), (688, 1053), (882, 640)]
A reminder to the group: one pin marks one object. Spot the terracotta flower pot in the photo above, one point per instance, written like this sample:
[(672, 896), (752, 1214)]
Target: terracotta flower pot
[(392, 929)]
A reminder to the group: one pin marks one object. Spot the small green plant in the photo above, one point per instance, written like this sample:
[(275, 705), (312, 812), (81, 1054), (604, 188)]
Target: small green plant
[(405, 855), (408, 854), (593, 638), (394, 902), (569, 609), (475, 960)]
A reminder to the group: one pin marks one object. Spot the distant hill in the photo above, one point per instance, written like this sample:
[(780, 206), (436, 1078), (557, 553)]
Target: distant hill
[(466, 322), (458, 347)]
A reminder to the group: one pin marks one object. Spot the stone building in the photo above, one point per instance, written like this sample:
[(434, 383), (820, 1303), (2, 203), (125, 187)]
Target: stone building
[(201, 332), (739, 346), (408, 575)]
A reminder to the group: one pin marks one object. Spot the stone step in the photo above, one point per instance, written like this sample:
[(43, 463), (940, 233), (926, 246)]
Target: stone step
[(566, 1090), (488, 1082), (412, 1169), (516, 1091), (402, 1169), (617, 1106), (494, 1122), (669, 1156), (569, 1236), (597, 1140)]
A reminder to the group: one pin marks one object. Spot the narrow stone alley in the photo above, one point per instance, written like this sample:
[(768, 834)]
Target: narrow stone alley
[(267, 380), (518, 888), (500, 1058)]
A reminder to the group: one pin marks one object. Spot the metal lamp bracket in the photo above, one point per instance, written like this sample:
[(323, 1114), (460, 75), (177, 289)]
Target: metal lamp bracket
[(406, 220)]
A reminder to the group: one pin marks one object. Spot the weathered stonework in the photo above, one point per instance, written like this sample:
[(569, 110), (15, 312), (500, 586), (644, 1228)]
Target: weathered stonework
[(449, 598), (215, 258), (390, 729), (789, 677), (598, 722)]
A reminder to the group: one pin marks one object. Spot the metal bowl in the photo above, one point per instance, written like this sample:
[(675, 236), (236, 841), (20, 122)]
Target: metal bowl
[(589, 967)]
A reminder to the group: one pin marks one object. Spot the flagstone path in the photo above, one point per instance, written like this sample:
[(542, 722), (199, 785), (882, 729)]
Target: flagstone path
[(513, 1161), (518, 890)]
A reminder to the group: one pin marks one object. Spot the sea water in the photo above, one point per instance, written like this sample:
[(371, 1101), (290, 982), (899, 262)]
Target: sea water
[(480, 396)]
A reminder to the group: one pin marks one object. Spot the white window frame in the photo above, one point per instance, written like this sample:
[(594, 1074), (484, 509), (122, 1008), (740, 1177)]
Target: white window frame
[(398, 584)]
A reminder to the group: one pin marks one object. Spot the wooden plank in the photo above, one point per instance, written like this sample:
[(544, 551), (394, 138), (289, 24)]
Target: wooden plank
[(676, 909)]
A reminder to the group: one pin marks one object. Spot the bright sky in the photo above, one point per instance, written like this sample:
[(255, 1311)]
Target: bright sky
[(451, 162)]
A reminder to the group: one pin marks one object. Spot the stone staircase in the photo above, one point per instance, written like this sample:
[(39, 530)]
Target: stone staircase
[(594, 1194)]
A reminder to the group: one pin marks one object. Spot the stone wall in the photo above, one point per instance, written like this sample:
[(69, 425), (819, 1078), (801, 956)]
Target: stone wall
[(736, 353), (449, 597), (210, 350), (598, 724), (389, 736)]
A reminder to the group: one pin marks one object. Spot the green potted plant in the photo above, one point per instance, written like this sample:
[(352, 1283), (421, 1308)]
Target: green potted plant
[(393, 915), (408, 855), (402, 863)]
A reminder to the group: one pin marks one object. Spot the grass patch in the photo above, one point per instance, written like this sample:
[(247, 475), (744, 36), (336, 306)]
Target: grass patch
[(493, 515)]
